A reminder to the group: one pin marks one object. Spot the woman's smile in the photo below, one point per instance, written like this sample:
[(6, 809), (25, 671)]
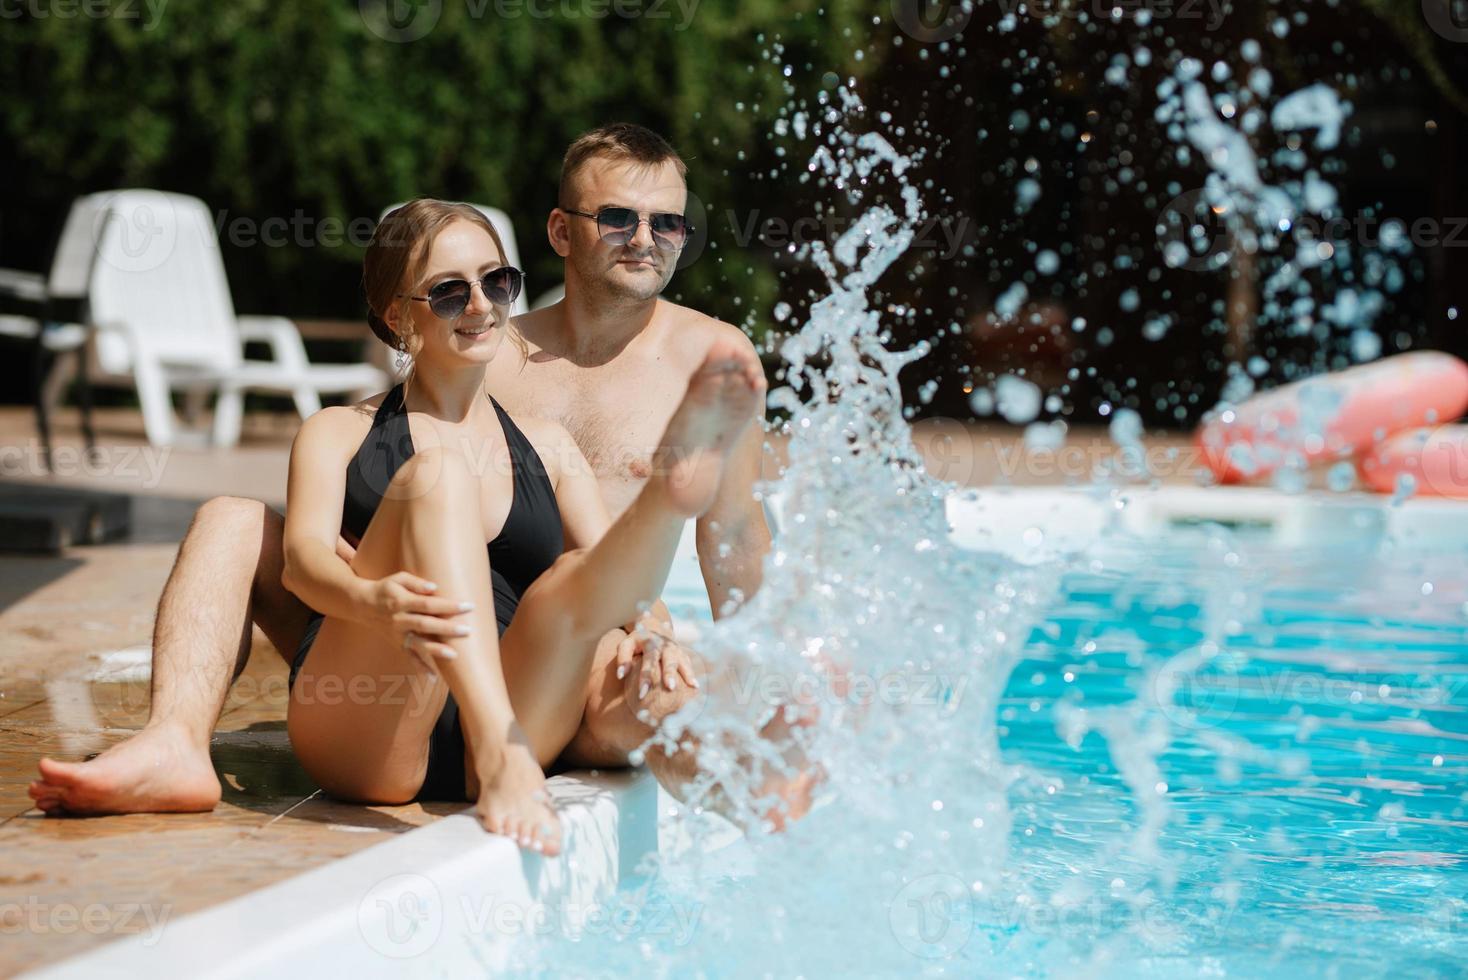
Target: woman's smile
[(476, 331)]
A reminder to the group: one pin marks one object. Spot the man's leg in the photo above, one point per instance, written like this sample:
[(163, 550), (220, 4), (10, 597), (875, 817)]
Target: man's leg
[(619, 720), (226, 575)]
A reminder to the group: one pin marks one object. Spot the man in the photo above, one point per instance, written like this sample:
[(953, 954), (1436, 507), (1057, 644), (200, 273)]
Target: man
[(610, 362)]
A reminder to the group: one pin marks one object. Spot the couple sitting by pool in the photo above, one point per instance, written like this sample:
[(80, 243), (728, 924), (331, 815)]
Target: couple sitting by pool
[(618, 403)]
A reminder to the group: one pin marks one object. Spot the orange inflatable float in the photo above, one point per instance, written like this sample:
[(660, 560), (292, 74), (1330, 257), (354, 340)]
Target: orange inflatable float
[(1340, 415), (1435, 460)]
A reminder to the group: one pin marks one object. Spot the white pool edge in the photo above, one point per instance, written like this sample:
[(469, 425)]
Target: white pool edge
[(1070, 520), (445, 892)]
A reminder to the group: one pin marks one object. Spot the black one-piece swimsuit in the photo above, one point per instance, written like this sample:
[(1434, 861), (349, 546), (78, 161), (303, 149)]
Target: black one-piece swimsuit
[(529, 543)]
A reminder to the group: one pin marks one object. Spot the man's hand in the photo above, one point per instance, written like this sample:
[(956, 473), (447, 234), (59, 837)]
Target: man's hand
[(657, 659)]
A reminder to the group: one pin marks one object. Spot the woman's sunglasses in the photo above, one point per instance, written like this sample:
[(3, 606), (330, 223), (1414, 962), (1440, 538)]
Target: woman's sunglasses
[(450, 298), (618, 226)]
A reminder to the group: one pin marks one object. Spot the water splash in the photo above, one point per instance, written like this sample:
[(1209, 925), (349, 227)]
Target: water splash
[(894, 649), (874, 646)]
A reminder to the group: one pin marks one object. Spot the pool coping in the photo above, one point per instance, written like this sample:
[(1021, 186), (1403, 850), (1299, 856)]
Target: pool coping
[(446, 889), (1073, 519)]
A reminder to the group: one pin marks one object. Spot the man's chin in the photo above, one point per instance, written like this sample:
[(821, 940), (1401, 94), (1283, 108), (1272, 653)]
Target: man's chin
[(641, 285)]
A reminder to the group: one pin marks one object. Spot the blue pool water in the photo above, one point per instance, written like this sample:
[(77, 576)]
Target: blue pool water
[(1226, 760), (1315, 815)]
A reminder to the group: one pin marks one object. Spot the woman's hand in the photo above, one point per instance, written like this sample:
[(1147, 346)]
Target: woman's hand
[(404, 607)]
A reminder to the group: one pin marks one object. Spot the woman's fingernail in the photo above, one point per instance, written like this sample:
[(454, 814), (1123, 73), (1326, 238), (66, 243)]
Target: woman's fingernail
[(669, 682), (466, 607), (431, 586), (621, 671), (449, 653), (643, 692), (462, 630)]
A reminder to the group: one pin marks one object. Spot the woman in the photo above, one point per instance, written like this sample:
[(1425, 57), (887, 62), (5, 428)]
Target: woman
[(420, 480)]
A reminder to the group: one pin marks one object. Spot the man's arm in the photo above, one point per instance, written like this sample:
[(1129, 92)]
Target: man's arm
[(733, 538)]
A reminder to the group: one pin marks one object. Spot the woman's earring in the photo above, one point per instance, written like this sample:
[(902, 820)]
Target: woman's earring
[(401, 360)]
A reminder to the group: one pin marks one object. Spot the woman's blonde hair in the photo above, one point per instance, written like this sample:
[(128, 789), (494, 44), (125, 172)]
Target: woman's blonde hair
[(398, 254)]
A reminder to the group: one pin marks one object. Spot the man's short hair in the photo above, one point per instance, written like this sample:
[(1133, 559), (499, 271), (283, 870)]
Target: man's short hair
[(626, 142)]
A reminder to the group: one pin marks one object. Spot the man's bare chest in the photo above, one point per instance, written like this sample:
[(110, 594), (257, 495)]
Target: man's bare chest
[(617, 418)]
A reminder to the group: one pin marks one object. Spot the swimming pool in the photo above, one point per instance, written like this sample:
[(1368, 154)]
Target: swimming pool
[(1226, 756)]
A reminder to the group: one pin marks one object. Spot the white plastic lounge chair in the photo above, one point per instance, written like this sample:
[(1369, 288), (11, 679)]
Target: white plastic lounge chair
[(164, 321)]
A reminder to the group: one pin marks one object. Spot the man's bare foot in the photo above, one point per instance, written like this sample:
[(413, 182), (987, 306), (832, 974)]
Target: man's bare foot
[(158, 770), (513, 801), (784, 791), (788, 794), (724, 395)]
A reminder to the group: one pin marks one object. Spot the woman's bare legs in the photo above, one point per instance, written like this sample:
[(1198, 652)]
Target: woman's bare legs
[(362, 709)]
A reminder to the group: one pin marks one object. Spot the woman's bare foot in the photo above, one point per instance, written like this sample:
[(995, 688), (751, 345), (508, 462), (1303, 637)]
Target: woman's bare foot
[(159, 770), (513, 801), (724, 395)]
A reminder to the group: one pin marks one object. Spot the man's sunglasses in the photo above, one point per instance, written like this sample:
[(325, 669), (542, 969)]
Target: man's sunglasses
[(618, 226), (450, 298)]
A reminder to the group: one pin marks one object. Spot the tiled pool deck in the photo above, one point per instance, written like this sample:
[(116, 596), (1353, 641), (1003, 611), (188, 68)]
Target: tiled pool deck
[(70, 884)]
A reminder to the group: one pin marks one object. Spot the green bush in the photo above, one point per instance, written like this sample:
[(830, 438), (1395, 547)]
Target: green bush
[(303, 112)]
